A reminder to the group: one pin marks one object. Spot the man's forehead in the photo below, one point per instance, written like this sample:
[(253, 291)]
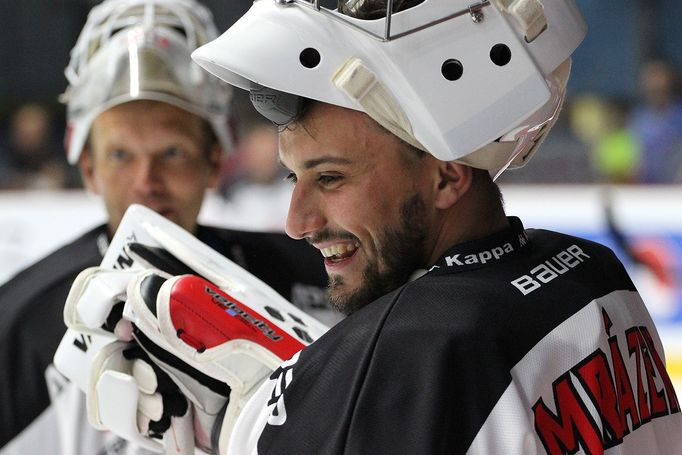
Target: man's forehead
[(331, 135), (149, 112), (147, 106), (313, 162), (161, 126)]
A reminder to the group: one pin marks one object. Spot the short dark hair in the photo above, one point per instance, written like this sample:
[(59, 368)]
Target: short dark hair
[(306, 104), (493, 195), (373, 9)]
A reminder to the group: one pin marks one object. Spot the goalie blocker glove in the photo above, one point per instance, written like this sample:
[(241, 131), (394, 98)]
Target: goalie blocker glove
[(211, 335), (216, 344)]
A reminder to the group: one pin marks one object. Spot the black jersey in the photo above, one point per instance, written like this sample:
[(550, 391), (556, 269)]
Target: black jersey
[(32, 303), (524, 342)]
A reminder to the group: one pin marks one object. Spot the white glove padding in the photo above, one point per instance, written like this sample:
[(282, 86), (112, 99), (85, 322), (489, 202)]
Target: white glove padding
[(213, 342), (208, 398), (95, 302), (137, 401), (208, 329), (121, 394)]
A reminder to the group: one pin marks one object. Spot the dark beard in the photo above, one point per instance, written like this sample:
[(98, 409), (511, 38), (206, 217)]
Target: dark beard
[(401, 248)]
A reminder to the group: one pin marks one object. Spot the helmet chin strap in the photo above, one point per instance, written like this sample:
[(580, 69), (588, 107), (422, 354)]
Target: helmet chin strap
[(516, 148)]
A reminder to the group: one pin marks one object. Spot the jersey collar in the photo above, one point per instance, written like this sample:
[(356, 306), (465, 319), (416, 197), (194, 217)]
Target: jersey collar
[(483, 252)]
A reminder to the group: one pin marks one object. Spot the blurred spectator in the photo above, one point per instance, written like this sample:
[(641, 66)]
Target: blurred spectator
[(657, 123), (256, 195), (32, 158), (256, 158), (561, 158), (602, 125)]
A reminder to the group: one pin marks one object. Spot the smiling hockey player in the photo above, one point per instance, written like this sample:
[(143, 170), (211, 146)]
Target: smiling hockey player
[(467, 333)]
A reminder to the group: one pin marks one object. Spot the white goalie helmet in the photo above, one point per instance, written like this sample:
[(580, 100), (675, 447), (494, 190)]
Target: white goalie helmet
[(480, 82), (140, 50)]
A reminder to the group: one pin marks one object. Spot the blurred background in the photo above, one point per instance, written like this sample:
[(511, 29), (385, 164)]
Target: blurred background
[(610, 170)]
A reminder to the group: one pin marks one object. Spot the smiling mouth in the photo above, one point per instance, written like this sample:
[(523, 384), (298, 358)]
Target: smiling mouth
[(338, 253)]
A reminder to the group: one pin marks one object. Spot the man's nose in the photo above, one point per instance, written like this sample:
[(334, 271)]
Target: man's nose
[(148, 176), (306, 214)]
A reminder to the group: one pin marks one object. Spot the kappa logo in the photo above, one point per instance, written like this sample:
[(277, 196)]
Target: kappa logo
[(283, 375), (480, 257), (607, 396)]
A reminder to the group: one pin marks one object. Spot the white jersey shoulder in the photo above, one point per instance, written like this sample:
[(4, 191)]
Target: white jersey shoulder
[(603, 388)]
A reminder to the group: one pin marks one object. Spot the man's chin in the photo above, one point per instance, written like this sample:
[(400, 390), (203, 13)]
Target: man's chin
[(340, 297), (348, 300)]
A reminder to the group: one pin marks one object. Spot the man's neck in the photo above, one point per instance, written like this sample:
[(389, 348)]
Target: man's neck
[(459, 229)]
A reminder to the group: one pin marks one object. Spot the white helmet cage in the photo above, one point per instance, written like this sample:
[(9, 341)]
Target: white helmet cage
[(140, 50), (478, 82)]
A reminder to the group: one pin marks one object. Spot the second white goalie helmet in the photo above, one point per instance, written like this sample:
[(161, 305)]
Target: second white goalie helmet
[(140, 50), (480, 82)]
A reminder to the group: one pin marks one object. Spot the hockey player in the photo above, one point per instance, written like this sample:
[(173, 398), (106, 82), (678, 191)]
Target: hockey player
[(468, 333), (146, 126)]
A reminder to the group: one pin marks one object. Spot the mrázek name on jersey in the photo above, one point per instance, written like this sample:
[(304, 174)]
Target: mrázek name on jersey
[(599, 401)]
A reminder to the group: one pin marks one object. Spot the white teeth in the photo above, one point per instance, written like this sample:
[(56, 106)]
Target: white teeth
[(339, 248)]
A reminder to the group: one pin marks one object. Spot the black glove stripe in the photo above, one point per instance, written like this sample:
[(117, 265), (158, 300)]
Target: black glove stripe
[(169, 359), (160, 259)]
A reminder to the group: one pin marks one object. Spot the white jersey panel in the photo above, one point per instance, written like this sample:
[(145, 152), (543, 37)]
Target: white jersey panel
[(557, 411)]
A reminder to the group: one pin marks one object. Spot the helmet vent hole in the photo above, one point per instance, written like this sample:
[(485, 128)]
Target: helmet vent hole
[(452, 69), (500, 54), (309, 57)]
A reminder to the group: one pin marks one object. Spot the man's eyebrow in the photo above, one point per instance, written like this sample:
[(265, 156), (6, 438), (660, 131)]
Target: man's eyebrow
[(312, 163)]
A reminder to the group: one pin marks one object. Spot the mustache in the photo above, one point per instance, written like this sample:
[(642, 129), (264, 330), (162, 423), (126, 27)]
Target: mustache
[(329, 234)]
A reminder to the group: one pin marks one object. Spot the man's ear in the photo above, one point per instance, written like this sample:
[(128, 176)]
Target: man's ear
[(215, 161), (86, 166), (454, 180)]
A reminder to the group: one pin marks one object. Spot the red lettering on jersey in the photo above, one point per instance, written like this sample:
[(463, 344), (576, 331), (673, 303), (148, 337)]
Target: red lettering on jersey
[(561, 433), (606, 319), (595, 376), (657, 402), (673, 402), (625, 397), (608, 383), (633, 341)]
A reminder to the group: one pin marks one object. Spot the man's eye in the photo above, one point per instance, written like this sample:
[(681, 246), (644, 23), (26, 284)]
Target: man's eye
[(326, 179), (291, 177), (119, 155), (173, 152)]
